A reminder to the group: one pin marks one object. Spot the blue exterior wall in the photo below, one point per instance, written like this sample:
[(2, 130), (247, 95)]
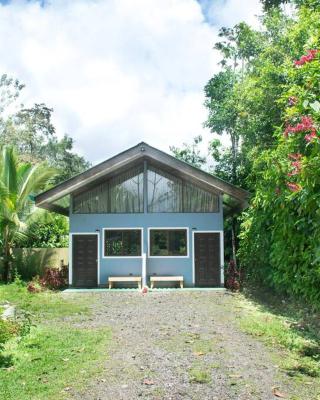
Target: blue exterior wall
[(87, 223)]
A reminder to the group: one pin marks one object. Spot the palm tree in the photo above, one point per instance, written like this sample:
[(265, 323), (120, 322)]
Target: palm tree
[(18, 181)]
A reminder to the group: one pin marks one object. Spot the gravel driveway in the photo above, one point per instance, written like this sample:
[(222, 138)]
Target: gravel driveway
[(180, 345)]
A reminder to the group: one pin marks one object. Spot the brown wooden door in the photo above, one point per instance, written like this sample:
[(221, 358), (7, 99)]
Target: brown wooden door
[(207, 259), (84, 260)]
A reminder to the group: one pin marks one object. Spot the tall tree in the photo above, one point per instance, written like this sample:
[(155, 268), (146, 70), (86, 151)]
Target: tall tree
[(223, 113), (31, 131), (191, 154)]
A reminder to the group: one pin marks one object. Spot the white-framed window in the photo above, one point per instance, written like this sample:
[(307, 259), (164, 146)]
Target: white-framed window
[(122, 242), (168, 242)]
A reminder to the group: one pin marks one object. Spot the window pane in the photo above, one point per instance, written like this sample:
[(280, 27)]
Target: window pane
[(92, 201), (171, 242), (159, 243), (167, 193), (164, 192), (178, 243), (196, 199), (122, 242), (121, 194), (126, 192)]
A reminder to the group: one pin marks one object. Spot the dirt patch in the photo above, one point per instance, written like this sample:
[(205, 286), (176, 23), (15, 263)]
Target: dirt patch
[(181, 345)]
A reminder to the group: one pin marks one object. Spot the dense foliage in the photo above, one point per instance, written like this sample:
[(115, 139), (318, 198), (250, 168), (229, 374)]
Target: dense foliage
[(280, 231), (266, 100), (18, 180), (47, 230)]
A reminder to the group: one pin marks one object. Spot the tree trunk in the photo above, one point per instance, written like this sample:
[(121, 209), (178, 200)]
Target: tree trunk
[(7, 256), (234, 241), (6, 266), (234, 150), (6, 270)]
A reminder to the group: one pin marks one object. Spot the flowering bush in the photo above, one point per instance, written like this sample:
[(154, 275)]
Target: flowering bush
[(55, 278), (233, 277), (305, 125), (306, 58), (279, 241)]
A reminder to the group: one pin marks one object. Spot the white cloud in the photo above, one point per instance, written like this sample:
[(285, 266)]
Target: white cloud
[(117, 71)]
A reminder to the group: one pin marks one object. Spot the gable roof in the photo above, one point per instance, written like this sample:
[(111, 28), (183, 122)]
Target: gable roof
[(50, 198)]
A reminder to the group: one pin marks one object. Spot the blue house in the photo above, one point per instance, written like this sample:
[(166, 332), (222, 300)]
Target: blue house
[(143, 216)]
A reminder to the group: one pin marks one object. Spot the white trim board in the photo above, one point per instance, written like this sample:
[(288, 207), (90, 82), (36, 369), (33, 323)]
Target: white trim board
[(71, 234), (172, 228), (120, 228), (221, 255)]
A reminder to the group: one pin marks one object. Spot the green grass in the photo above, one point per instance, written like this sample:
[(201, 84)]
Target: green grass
[(300, 347), (199, 374), (45, 305), (56, 357), (203, 346)]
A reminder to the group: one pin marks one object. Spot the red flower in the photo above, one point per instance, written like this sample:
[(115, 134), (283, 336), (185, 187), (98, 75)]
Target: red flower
[(294, 187), (296, 164), (295, 156), (306, 124), (296, 168), (311, 136), (306, 58)]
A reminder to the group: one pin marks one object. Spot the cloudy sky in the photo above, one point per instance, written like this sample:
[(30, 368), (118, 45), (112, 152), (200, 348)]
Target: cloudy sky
[(117, 72)]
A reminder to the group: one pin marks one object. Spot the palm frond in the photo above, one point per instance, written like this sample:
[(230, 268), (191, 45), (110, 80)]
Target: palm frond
[(23, 170), (9, 169), (17, 182), (4, 192), (35, 179)]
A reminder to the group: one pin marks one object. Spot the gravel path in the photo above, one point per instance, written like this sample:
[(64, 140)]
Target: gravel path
[(179, 345)]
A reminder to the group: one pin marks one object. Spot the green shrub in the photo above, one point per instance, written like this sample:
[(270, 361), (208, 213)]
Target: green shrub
[(8, 329), (280, 231)]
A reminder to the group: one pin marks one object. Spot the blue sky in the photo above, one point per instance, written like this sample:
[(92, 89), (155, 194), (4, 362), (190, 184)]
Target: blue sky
[(7, 2), (118, 72)]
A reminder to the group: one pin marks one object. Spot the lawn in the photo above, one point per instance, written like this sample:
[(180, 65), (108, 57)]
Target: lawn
[(289, 325), (57, 355)]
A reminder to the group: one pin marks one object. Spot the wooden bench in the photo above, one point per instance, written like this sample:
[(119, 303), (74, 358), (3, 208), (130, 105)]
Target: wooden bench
[(154, 279), (113, 279)]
